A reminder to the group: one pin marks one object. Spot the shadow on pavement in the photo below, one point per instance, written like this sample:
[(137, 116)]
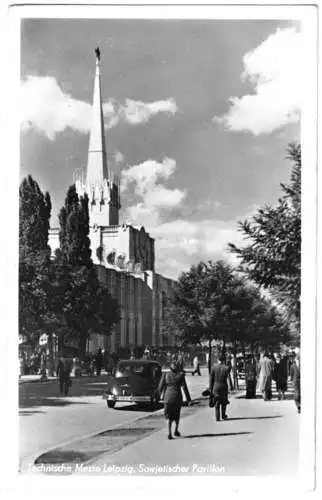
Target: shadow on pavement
[(136, 407), (192, 436), (27, 413), (254, 418), (38, 401)]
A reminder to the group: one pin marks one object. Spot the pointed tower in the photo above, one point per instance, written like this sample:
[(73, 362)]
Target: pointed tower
[(101, 185)]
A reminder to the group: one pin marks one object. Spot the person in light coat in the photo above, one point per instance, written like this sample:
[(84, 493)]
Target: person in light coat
[(266, 367)]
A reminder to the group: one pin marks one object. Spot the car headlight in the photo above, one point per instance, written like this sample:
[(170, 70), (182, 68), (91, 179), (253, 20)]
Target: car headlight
[(114, 391)]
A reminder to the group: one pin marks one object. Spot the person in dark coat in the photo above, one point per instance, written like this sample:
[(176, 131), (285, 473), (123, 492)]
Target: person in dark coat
[(99, 362), (218, 387), (63, 374), (280, 376), (171, 384), (296, 379), (250, 376)]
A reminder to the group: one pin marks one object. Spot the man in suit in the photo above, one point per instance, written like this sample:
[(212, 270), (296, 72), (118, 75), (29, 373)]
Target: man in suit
[(218, 387)]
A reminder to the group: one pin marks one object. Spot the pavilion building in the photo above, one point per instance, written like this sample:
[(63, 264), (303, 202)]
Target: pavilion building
[(124, 254)]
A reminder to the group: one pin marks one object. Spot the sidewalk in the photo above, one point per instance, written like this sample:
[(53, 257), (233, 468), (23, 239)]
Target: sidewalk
[(259, 438)]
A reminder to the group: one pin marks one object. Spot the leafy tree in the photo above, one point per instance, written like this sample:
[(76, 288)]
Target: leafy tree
[(83, 305), (74, 229), (211, 302), (34, 256), (272, 258), (34, 216)]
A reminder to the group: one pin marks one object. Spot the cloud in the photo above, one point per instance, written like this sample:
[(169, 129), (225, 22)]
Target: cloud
[(181, 243), (135, 112), (45, 107), (147, 182), (274, 69), (145, 175), (118, 156)]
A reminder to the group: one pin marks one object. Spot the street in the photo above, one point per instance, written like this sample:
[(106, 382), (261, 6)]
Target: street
[(47, 420), (259, 438)]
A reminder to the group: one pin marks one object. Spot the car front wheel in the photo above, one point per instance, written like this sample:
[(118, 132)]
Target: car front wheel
[(110, 404)]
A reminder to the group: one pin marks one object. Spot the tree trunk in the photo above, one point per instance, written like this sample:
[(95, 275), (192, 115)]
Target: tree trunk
[(50, 357), (82, 344), (235, 378), (209, 355)]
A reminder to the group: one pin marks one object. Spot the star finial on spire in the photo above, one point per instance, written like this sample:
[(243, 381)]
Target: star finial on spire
[(98, 53)]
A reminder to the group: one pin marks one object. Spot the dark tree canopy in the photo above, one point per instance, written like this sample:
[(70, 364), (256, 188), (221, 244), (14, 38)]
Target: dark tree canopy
[(211, 302), (272, 256), (74, 230), (34, 216), (62, 296)]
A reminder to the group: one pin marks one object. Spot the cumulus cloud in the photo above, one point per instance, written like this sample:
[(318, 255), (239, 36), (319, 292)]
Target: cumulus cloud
[(274, 69), (147, 181), (145, 175), (135, 112), (181, 243), (45, 107), (178, 243)]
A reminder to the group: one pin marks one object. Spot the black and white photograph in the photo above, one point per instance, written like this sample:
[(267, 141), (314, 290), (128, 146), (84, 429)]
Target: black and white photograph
[(160, 243)]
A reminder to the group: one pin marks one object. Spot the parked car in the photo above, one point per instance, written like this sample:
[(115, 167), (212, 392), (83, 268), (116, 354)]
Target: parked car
[(133, 381)]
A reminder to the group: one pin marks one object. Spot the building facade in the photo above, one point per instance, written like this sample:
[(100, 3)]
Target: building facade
[(124, 254)]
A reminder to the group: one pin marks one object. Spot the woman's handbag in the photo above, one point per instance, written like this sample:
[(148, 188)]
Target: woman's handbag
[(211, 401)]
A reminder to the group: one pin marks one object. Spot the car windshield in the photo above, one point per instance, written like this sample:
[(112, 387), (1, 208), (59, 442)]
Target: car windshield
[(126, 369)]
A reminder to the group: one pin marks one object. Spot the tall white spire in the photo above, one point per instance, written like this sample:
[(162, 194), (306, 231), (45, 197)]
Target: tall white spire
[(101, 185), (97, 162)]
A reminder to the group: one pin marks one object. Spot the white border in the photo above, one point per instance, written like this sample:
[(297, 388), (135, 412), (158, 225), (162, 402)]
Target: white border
[(307, 15)]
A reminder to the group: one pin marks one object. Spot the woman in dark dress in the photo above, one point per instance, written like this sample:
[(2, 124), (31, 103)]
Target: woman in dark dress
[(171, 383), (280, 376)]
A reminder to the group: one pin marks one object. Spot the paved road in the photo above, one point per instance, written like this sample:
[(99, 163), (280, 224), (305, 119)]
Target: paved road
[(260, 438), (47, 420)]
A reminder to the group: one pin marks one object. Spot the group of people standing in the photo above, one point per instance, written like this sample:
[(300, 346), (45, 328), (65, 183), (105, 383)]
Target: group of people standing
[(279, 368)]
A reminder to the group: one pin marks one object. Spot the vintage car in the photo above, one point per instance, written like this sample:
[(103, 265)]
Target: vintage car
[(133, 381)]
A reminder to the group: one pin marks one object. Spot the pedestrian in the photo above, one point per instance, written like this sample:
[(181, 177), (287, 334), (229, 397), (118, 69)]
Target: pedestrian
[(265, 376), (99, 361), (250, 376), (218, 387), (280, 375), (63, 374), (296, 379), (171, 384), (43, 367), (230, 366), (180, 362), (196, 365), (234, 370)]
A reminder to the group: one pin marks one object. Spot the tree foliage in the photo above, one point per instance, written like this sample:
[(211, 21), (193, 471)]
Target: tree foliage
[(212, 302), (74, 230), (272, 258), (62, 296), (34, 216)]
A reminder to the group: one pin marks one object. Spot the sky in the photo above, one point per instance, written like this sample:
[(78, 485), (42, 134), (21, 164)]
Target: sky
[(198, 116)]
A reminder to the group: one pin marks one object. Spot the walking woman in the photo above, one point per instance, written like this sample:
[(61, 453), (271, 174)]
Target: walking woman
[(265, 376), (171, 384)]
